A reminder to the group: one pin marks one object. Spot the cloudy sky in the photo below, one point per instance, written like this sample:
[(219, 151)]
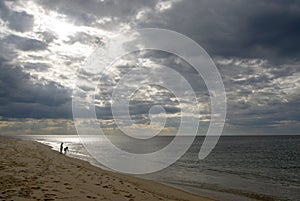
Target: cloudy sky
[(254, 44)]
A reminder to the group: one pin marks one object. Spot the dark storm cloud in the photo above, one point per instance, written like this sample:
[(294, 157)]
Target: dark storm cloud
[(143, 107), (261, 94), (19, 21), (20, 97), (256, 29), (265, 119), (247, 29)]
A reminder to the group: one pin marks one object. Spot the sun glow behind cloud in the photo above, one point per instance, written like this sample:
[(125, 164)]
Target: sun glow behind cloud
[(64, 54)]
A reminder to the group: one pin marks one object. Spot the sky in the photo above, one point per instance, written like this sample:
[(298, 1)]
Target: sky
[(45, 43)]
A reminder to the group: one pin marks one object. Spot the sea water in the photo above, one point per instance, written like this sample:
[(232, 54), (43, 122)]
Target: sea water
[(239, 168)]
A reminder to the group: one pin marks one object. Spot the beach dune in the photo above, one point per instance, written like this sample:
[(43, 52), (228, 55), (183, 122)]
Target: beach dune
[(32, 171)]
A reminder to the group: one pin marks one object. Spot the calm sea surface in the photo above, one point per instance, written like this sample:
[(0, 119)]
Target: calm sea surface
[(239, 168)]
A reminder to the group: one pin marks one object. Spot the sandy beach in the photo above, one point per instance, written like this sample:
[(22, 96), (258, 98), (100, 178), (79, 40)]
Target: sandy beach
[(32, 171)]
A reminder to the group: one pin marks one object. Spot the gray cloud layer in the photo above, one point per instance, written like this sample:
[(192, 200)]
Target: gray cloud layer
[(253, 43), (20, 97), (19, 21), (248, 29)]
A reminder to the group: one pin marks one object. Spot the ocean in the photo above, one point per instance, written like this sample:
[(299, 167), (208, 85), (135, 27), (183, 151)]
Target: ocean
[(239, 168)]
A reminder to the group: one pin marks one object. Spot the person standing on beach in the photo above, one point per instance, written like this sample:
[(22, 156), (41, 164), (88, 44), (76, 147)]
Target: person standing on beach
[(61, 147)]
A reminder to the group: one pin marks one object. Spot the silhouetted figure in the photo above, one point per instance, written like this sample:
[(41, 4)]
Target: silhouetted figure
[(66, 149), (61, 147)]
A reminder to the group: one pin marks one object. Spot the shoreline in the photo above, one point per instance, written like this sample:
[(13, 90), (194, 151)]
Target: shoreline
[(33, 171)]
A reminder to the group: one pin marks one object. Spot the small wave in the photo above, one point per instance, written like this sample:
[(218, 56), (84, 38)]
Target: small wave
[(237, 192), (257, 175)]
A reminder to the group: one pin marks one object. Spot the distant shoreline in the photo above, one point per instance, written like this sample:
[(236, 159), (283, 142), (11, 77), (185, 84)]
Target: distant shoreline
[(31, 170)]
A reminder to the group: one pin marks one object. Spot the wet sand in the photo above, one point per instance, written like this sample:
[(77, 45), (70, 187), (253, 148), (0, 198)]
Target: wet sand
[(32, 171)]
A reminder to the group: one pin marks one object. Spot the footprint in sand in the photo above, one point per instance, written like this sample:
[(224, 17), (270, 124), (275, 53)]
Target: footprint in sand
[(90, 197), (129, 196), (49, 197)]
